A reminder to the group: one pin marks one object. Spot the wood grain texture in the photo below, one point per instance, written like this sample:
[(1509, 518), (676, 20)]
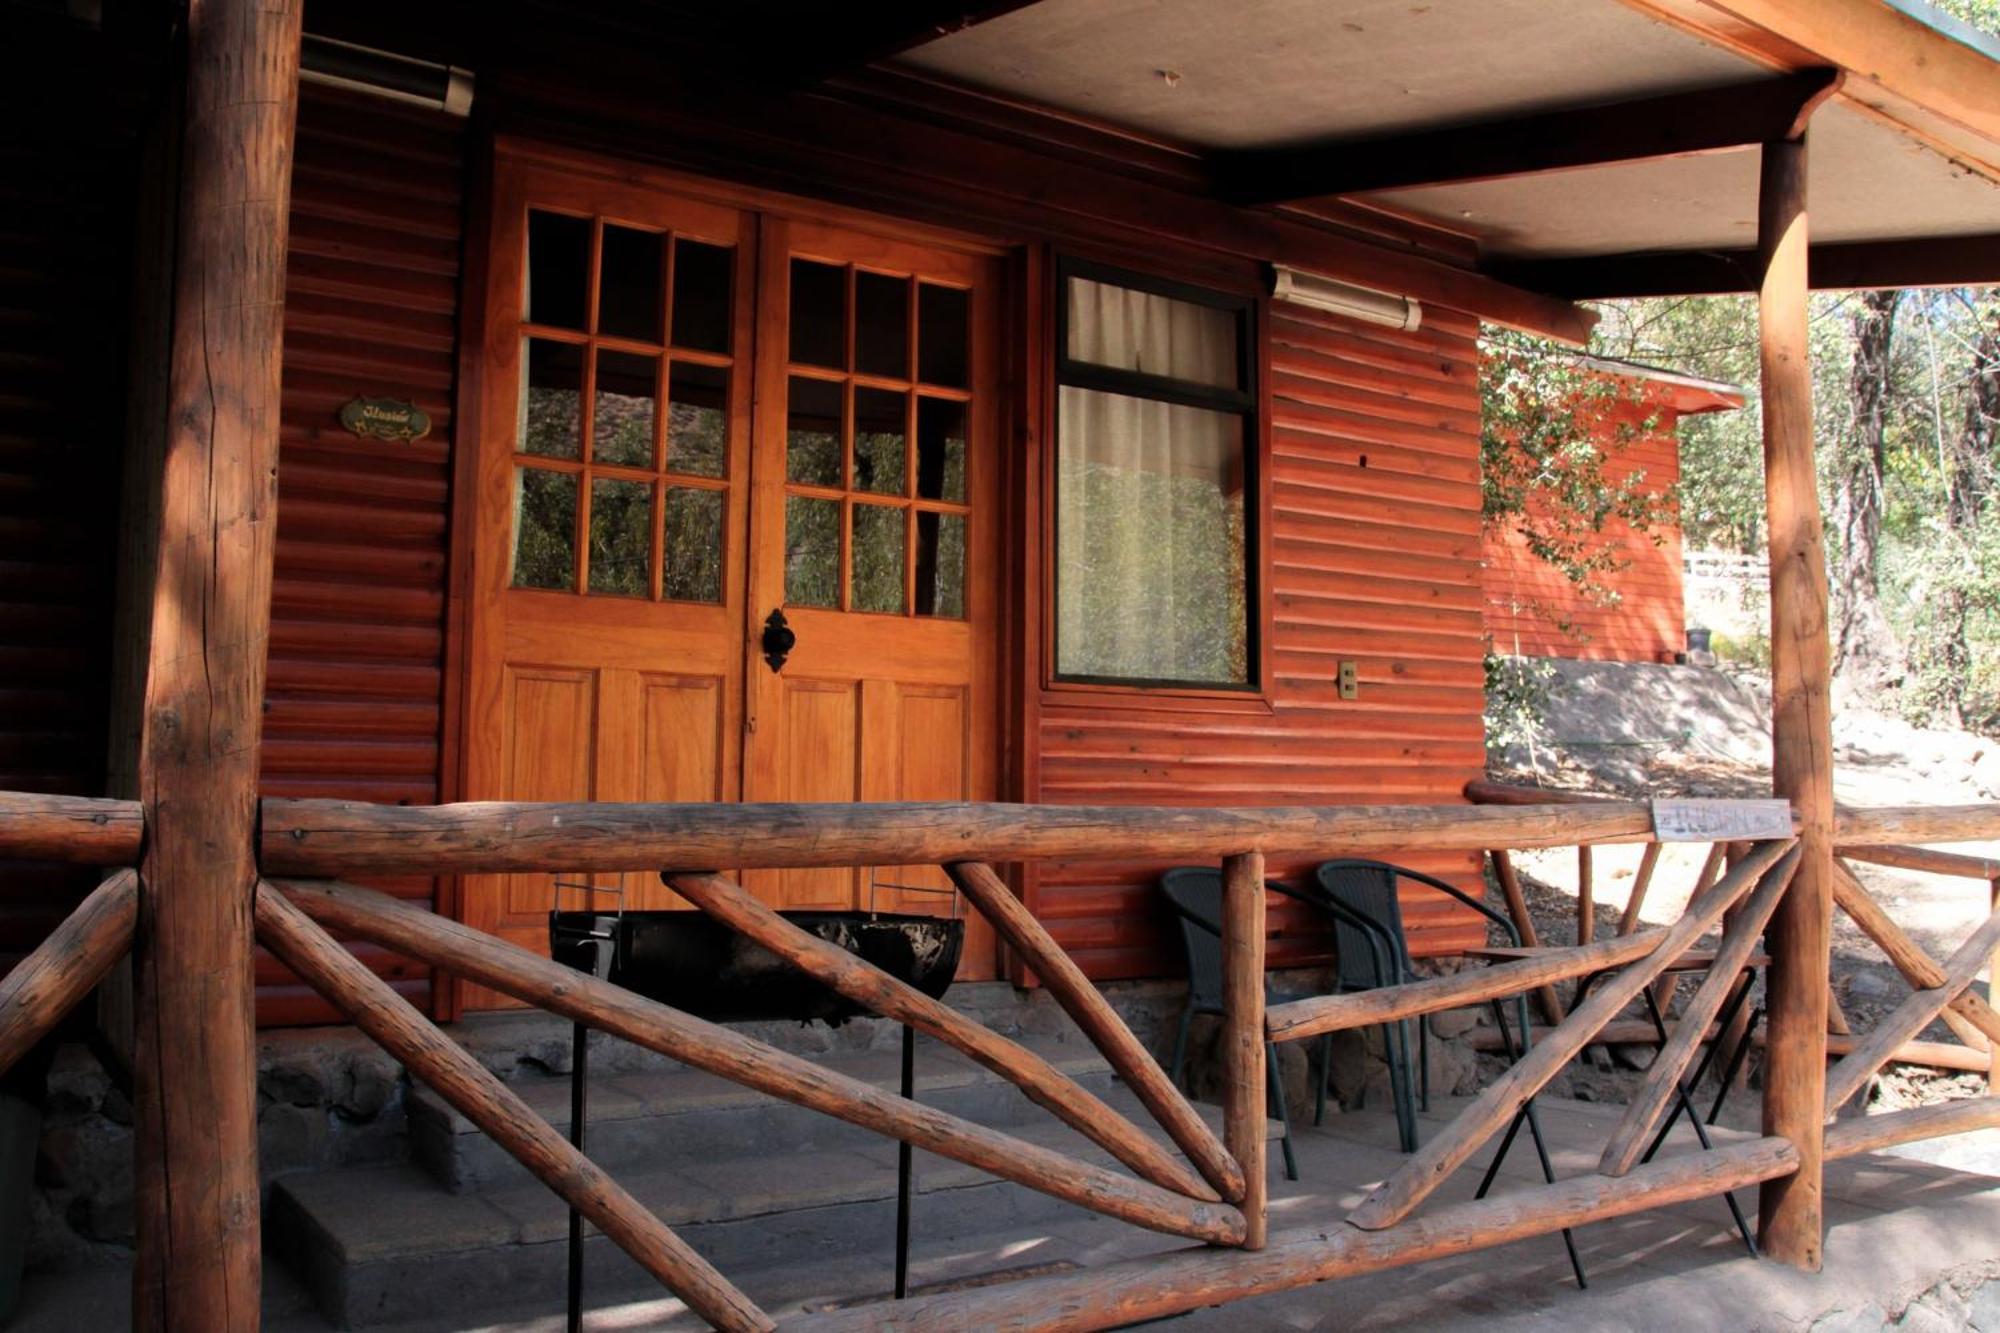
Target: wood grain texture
[(342, 837), (1927, 859), (76, 830), (1791, 1211), (65, 967), (880, 993), (1897, 824), (1453, 1146), (1739, 942), (1873, 1133), (363, 914), (195, 1062), (1092, 1013), (498, 1110), (1970, 1017), (1133, 1291), (1902, 1024), (1299, 1019), (1642, 880), (1242, 1052), (1524, 922)]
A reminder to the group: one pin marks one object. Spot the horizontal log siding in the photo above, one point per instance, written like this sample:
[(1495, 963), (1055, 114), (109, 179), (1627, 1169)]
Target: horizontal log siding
[(1375, 559), (1532, 610), (358, 603)]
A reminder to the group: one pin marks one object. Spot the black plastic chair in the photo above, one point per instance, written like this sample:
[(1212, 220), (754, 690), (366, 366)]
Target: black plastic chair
[(1369, 889), (1195, 894)]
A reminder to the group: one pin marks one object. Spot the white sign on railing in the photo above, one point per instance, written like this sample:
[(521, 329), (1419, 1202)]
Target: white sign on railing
[(1721, 821)]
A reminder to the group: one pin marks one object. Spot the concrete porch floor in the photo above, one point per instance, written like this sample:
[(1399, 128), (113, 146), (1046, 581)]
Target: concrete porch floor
[(1911, 1245)]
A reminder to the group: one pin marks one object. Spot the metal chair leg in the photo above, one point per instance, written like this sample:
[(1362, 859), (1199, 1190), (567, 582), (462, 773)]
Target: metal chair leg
[(1528, 1115), (1686, 1103), (1278, 1099), (1736, 1059), (1396, 1051), (1325, 1048), (1424, 1063), (1180, 1044)]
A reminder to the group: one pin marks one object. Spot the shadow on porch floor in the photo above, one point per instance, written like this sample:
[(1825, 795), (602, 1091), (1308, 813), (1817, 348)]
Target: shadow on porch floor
[(1900, 1231)]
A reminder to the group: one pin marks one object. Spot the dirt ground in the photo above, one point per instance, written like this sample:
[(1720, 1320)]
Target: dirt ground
[(1706, 740)]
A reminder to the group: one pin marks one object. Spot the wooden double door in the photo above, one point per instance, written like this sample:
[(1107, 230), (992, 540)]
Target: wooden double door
[(697, 416)]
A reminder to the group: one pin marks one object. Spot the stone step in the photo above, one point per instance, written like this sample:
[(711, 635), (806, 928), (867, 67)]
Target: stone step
[(654, 1118), (386, 1244)]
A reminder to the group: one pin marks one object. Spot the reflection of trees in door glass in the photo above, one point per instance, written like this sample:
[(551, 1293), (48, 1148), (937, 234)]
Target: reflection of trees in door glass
[(878, 559), (693, 567), (544, 528), (812, 551), (621, 537), (941, 565)]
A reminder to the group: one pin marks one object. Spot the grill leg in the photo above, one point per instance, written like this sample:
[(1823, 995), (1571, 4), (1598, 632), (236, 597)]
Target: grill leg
[(579, 1104), (903, 1170)]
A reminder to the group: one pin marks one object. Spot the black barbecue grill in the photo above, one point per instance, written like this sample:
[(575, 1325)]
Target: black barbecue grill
[(694, 963)]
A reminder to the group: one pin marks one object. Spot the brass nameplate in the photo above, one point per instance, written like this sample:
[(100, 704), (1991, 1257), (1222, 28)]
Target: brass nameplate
[(1721, 821), (385, 419)]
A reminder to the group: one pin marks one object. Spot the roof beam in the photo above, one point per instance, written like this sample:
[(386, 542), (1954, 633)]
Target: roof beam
[(1942, 261), (1712, 120)]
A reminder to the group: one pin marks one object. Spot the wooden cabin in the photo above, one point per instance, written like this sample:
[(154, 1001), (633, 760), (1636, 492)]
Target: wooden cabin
[(469, 448), (1633, 611)]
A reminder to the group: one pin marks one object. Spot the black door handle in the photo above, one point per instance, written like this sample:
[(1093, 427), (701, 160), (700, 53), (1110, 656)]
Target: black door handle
[(779, 640)]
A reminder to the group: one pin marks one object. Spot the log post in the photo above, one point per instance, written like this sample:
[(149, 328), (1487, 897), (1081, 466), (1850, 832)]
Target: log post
[(1992, 994), (195, 1074), (1791, 1225), (1243, 1109)]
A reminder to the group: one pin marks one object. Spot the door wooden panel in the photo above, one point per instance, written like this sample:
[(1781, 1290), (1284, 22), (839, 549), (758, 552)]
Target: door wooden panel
[(630, 527)]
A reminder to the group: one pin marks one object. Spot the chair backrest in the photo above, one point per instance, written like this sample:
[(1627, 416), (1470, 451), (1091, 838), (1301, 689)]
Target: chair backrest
[(1196, 895), (1369, 888)]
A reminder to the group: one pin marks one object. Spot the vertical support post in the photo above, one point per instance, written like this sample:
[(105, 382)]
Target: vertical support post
[(195, 1067), (1800, 934), (1245, 1116), (1586, 896), (1993, 995)]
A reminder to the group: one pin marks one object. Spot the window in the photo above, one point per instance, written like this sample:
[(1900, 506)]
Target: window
[(1155, 433)]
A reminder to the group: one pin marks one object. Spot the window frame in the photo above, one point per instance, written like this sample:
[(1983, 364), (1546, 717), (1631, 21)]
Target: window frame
[(1246, 402)]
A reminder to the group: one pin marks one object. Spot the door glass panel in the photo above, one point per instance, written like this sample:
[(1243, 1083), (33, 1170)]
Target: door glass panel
[(558, 269), (812, 551), (880, 452), (819, 314), (941, 565), (812, 432), (882, 325), (701, 295), (697, 419), (621, 426), (878, 559), (621, 537), (943, 315), (630, 279), (544, 528), (940, 449), (551, 399), (692, 567)]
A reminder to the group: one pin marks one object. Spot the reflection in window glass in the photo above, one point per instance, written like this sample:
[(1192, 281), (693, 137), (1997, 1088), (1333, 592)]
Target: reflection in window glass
[(701, 295), (697, 419), (942, 333), (1128, 329), (558, 269), (812, 432), (881, 325), (692, 567), (621, 537), (623, 403), (1149, 541), (877, 583), (812, 551), (544, 529), (819, 314), (941, 565), (880, 453), (630, 275), (551, 417), (940, 449)]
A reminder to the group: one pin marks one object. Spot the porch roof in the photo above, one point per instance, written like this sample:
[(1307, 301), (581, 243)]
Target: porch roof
[(1279, 97)]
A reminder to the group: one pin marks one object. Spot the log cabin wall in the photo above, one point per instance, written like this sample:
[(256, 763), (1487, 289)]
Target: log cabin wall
[(356, 696), (1534, 611), (1375, 559)]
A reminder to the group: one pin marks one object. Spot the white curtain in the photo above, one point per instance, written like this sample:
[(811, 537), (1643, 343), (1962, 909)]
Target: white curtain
[(1149, 510)]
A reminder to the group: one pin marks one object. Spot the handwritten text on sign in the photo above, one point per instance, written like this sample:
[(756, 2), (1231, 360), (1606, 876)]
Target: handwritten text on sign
[(1721, 821)]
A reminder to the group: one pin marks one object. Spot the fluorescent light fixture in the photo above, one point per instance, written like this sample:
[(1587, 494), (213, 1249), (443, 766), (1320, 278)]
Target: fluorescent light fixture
[(385, 74), (1344, 298)]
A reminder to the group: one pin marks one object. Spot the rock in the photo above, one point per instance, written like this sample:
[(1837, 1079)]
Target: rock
[(1870, 984), (1455, 1022)]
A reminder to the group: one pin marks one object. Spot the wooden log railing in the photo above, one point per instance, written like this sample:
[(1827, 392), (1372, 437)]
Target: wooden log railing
[(1220, 1201)]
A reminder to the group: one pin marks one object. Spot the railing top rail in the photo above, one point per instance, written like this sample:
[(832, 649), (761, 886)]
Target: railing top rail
[(1854, 826)]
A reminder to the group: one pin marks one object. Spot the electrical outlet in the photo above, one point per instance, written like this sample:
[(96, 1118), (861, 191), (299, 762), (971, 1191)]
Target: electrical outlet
[(1350, 681)]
